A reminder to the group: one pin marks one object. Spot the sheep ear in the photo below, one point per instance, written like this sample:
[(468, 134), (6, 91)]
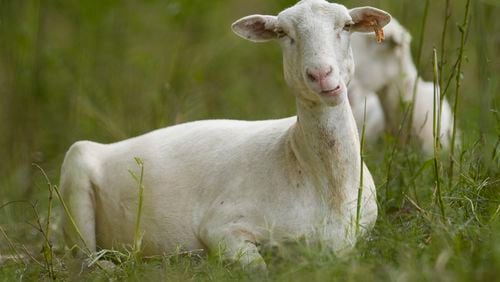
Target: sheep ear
[(256, 28), (369, 19)]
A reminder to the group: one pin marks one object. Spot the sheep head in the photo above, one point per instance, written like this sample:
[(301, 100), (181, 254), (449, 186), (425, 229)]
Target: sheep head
[(393, 56), (315, 39)]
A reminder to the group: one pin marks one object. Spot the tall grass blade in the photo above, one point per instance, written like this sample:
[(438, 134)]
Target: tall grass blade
[(136, 249), (72, 220), (436, 131), (419, 63), (458, 79), (48, 251), (447, 15), (361, 157), (86, 250)]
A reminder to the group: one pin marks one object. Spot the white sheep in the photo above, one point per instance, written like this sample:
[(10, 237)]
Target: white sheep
[(372, 117), (241, 184), (388, 70)]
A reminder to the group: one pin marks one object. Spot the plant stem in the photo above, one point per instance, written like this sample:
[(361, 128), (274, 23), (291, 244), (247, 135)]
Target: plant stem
[(72, 220), (47, 249), (137, 233), (86, 250), (436, 130), (419, 62), (360, 190), (463, 30), (443, 43), (49, 209)]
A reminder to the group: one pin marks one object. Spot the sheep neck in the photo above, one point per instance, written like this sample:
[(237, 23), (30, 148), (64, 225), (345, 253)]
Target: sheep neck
[(326, 145)]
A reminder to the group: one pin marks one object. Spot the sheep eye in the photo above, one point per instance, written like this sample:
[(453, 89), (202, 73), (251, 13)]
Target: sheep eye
[(348, 26), (280, 32)]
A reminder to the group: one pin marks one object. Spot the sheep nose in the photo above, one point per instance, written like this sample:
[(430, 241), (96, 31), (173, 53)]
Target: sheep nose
[(318, 74)]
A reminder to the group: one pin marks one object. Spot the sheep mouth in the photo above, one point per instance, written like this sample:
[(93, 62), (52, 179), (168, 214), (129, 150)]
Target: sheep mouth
[(332, 92)]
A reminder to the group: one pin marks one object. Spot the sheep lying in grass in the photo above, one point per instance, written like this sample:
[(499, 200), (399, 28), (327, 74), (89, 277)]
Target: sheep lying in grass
[(241, 184), (388, 70)]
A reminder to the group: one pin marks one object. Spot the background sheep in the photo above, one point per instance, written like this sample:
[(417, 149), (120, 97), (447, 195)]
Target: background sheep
[(388, 70)]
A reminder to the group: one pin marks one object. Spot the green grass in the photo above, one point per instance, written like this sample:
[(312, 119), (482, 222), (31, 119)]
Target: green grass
[(108, 70)]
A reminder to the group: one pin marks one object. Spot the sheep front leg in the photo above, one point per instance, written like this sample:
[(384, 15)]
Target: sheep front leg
[(238, 245)]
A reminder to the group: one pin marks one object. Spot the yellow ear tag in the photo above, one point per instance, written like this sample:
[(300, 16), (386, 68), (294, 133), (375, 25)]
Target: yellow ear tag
[(379, 33)]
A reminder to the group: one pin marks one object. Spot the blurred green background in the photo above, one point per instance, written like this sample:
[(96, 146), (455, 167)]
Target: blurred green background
[(108, 70)]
